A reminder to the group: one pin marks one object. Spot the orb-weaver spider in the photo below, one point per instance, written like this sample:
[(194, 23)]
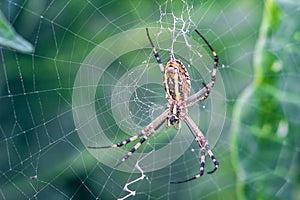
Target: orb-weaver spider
[(177, 85)]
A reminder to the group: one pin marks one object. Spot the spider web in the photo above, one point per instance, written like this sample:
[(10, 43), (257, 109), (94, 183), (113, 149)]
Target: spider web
[(93, 81)]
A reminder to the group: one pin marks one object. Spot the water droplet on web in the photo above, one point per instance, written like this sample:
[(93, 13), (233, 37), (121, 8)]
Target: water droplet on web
[(33, 177)]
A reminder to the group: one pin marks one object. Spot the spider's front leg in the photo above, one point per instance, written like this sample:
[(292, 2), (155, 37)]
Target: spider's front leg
[(142, 140), (205, 148), (201, 140), (146, 133)]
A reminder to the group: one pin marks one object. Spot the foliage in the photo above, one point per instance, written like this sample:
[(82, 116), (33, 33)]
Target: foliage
[(9, 38), (261, 128)]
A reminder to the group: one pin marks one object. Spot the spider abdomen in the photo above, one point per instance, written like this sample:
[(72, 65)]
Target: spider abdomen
[(176, 81)]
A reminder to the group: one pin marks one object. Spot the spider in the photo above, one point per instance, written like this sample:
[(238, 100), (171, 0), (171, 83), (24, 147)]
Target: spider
[(177, 86)]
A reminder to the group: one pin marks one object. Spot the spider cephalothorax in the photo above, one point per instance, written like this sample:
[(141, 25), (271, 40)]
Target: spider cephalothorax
[(177, 85)]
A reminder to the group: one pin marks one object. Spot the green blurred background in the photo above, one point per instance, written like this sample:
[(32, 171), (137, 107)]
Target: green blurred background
[(42, 156)]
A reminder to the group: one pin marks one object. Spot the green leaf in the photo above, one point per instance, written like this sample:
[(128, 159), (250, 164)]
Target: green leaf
[(265, 132), (9, 37)]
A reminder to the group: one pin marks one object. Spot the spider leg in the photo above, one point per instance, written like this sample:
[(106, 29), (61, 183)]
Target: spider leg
[(213, 75), (201, 98), (155, 53), (119, 144), (142, 140), (201, 140), (201, 172), (203, 144), (216, 58), (135, 137)]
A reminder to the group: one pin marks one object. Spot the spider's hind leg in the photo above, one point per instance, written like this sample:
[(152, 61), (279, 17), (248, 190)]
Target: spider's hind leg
[(202, 97), (155, 53)]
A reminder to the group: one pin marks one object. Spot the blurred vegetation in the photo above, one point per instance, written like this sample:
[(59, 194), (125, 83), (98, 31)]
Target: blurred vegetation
[(265, 137), (41, 154), (9, 38)]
